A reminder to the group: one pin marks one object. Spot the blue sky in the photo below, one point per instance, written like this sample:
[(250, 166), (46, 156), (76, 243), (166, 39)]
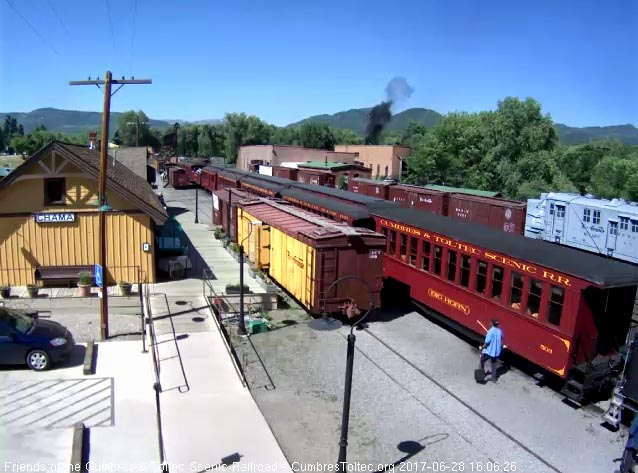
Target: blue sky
[(285, 60)]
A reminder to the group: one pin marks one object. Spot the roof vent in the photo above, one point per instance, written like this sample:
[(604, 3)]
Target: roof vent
[(591, 196)]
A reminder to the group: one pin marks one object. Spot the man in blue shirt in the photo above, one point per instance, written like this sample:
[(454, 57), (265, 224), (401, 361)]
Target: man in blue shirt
[(492, 347)]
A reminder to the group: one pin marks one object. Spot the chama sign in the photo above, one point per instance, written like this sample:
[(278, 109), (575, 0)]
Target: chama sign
[(55, 217)]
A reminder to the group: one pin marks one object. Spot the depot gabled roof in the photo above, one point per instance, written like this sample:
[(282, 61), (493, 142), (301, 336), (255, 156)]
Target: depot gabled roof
[(119, 178)]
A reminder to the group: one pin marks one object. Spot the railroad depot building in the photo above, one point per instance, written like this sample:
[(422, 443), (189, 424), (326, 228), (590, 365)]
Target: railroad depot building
[(49, 219)]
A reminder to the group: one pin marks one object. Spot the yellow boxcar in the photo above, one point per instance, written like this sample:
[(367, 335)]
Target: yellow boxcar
[(293, 266)]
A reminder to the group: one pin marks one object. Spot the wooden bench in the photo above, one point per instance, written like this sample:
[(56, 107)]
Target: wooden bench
[(53, 275)]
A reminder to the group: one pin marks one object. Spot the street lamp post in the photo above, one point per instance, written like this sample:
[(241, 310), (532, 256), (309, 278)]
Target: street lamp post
[(325, 324), (242, 324), (197, 197)]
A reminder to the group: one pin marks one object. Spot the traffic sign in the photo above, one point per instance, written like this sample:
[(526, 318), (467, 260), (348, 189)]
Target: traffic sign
[(98, 275)]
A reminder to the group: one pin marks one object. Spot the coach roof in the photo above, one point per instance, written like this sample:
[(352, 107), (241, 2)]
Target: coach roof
[(590, 267)]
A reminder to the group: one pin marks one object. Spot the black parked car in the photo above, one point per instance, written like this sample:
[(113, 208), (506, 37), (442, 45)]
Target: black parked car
[(38, 343)]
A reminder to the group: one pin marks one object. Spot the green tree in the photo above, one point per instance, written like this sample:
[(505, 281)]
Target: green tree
[(615, 177), (345, 136), (240, 129), (316, 135), (285, 136), (133, 126)]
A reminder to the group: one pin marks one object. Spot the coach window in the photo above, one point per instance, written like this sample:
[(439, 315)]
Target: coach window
[(466, 264), (497, 282), (560, 211), (634, 226), (534, 298), (481, 276), (404, 246), (624, 223), (438, 254), (393, 243), (551, 209), (596, 220), (555, 305), (516, 290), (451, 265), (586, 215), (414, 249), (425, 256)]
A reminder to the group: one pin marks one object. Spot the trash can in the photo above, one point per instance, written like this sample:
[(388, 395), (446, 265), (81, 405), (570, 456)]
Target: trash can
[(257, 326)]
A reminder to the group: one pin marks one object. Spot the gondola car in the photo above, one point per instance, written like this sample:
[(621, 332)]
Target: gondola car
[(566, 311)]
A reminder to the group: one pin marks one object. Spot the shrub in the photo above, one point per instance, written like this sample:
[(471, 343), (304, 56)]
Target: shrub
[(84, 278)]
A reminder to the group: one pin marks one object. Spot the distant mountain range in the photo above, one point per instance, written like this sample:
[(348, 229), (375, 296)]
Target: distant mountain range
[(76, 122), (357, 119)]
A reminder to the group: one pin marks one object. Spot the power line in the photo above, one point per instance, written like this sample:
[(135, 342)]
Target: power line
[(58, 16), (108, 8), (133, 38), (32, 28)]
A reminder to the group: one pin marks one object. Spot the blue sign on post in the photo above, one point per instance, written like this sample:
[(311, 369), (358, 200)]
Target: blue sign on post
[(98, 275)]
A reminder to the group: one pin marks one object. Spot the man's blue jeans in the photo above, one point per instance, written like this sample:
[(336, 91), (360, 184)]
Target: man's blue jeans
[(494, 361)]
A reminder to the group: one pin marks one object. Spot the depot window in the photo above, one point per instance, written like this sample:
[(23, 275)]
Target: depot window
[(555, 305), (425, 256), (54, 191), (587, 215), (466, 264), (414, 248), (438, 254), (534, 298), (404, 246), (451, 265), (516, 290), (596, 219), (481, 276), (393, 242), (497, 281)]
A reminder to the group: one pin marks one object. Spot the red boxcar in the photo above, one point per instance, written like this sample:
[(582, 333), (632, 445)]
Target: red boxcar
[(221, 200), (506, 215), (285, 173), (420, 198), (306, 254), (560, 308), (370, 187), (178, 178)]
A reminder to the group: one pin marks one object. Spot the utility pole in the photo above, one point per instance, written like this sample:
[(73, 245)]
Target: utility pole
[(104, 148)]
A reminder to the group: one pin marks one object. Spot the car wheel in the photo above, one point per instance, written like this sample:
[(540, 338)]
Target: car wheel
[(38, 360)]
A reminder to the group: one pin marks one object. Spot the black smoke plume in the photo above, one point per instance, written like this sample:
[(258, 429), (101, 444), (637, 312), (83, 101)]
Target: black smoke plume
[(397, 90)]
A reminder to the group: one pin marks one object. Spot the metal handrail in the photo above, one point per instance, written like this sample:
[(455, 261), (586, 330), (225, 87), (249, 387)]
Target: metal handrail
[(222, 329)]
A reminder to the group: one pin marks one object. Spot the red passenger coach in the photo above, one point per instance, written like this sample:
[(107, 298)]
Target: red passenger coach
[(227, 180), (564, 310)]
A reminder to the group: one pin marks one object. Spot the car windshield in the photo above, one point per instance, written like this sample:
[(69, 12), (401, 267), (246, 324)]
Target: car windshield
[(21, 323)]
